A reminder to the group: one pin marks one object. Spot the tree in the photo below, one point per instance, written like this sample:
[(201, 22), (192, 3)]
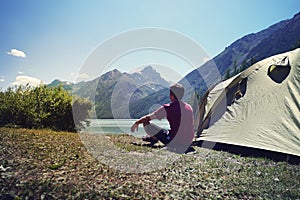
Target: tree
[(244, 65), (81, 109), (41, 107), (227, 75), (252, 61), (235, 67)]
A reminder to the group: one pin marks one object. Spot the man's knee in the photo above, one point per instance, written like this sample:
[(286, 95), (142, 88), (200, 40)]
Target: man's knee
[(152, 129)]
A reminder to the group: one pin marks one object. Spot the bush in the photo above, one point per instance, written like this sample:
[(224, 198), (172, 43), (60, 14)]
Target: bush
[(40, 107)]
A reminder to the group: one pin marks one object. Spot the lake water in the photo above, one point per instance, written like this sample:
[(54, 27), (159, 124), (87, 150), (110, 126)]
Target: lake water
[(119, 126)]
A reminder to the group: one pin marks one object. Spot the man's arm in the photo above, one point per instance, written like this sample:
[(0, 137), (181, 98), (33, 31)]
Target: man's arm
[(145, 119)]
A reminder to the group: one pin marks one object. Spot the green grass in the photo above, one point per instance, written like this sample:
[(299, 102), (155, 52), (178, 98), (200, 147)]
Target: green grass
[(56, 165)]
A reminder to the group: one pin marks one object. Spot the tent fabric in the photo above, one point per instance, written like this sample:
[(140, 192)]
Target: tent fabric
[(258, 108)]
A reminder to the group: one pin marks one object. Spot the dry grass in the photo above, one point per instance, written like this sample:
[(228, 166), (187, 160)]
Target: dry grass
[(42, 164)]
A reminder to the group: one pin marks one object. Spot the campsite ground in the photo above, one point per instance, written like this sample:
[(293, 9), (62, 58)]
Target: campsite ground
[(42, 164)]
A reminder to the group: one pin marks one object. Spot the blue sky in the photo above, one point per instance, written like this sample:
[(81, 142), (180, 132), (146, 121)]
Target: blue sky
[(51, 39)]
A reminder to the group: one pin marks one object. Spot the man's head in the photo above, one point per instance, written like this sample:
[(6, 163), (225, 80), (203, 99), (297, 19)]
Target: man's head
[(176, 91)]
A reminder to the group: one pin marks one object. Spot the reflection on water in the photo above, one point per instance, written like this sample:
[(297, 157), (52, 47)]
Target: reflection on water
[(119, 126)]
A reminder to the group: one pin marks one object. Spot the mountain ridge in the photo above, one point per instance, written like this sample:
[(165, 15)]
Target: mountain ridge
[(114, 90), (277, 38), (249, 49)]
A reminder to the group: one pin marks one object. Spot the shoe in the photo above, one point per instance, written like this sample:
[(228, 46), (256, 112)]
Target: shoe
[(151, 139)]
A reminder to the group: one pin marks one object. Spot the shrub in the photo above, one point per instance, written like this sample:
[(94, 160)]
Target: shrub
[(41, 107)]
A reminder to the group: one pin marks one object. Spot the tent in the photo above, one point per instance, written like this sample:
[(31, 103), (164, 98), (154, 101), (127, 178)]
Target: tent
[(258, 108)]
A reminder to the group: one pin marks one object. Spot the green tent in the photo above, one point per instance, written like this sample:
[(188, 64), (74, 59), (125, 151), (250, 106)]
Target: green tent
[(258, 108)]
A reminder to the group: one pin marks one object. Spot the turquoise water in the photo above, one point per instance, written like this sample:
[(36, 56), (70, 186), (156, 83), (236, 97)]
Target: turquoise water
[(119, 126)]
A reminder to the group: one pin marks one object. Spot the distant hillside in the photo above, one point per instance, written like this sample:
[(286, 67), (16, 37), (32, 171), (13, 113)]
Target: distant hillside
[(83, 89), (278, 38), (113, 91), (65, 84), (116, 90)]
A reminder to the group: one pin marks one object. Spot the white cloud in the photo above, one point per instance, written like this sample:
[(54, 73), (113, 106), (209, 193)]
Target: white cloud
[(2, 79), (83, 77), (23, 80), (20, 73), (73, 76), (17, 53)]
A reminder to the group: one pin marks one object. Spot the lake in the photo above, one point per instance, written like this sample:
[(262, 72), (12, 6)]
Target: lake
[(119, 126)]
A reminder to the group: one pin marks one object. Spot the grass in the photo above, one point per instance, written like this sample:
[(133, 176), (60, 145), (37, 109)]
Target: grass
[(43, 164)]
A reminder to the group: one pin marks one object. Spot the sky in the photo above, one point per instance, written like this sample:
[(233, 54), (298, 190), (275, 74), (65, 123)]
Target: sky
[(57, 39)]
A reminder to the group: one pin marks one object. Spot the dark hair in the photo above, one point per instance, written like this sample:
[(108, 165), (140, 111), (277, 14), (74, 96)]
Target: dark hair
[(177, 90)]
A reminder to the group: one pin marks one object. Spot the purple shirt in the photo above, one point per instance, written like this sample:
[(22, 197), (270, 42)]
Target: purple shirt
[(181, 119)]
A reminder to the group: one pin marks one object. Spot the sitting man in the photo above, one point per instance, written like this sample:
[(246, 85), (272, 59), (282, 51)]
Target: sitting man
[(180, 117)]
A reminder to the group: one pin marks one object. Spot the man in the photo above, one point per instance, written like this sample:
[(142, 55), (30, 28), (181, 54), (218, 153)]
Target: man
[(180, 117)]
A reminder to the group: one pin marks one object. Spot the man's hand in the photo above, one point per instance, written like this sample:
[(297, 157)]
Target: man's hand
[(134, 127), (143, 120)]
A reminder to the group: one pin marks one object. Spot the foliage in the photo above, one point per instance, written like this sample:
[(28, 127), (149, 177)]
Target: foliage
[(81, 110), (40, 107), (235, 70), (228, 74)]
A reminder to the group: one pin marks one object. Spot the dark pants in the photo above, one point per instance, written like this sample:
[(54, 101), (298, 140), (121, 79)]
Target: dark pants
[(158, 132)]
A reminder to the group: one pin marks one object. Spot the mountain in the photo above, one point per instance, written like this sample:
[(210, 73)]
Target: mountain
[(241, 49), (278, 38), (150, 76), (81, 89), (114, 91), (65, 84)]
